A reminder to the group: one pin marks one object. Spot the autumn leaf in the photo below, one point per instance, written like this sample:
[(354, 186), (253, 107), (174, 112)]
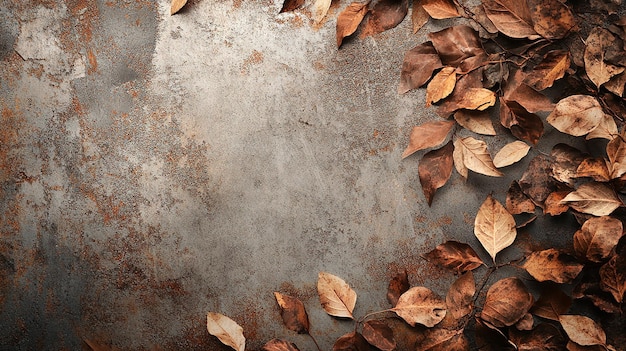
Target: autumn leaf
[(386, 14), (419, 16), (319, 8), (460, 296), (516, 90), (441, 85), (616, 84), (511, 17), (607, 129), (552, 303), (463, 85), (517, 202), (597, 237), (290, 5), (439, 339), (544, 337), (226, 330), (351, 342), (566, 162), (510, 154), (336, 296), (419, 305), (594, 168), (475, 156), (523, 124), (478, 122), (456, 44), (576, 115), (507, 302), (494, 227), (440, 9), (435, 169), (456, 256), (553, 265), (279, 345), (429, 134), (583, 330), (551, 68), (554, 205), (398, 285), (616, 151), (293, 313), (552, 19), (537, 182), (176, 5), (476, 99), (525, 323), (596, 199), (459, 161), (349, 19), (418, 66), (597, 69), (613, 277), (96, 345), (378, 334)]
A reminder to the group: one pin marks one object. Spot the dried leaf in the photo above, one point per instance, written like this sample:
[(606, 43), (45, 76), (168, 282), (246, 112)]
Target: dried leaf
[(319, 8), (616, 84), (476, 99), (351, 342), (349, 19), (386, 14), (494, 227), (597, 69), (226, 330), (566, 162), (552, 19), (572, 346), (490, 338), (461, 296), (290, 5), (551, 68), (507, 302), (435, 170), (544, 337), (517, 202), (441, 340), (398, 285), (463, 85), (378, 334), (440, 9), (597, 237), (552, 303), (419, 16), (478, 122), (576, 115), (553, 265), (516, 90), (419, 305), (96, 345), (429, 134), (418, 66), (441, 85), (583, 330), (510, 154), (594, 168), (613, 277), (176, 5), (593, 198), (537, 181), (459, 160), (336, 296), (456, 256), (279, 345), (476, 157), (523, 124), (607, 129), (616, 151), (511, 17), (293, 313), (525, 323), (553, 205), (456, 44)]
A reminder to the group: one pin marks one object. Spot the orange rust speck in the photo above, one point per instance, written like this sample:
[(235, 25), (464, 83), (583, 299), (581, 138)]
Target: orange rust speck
[(93, 63), (254, 59)]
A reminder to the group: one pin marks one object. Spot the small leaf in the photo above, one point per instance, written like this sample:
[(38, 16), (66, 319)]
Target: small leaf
[(378, 334), (456, 256), (551, 68), (386, 14), (583, 330), (520, 92), (552, 303), (511, 153), (475, 156), (607, 129), (279, 345), (544, 337), (398, 285), (429, 134), (594, 168), (566, 162), (439, 339), (511, 17), (525, 323), (597, 69), (553, 205), (494, 227), (523, 124), (349, 19), (553, 265), (440, 9), (351, 342), (613, 277), (461, 296), (616, 151), (290, 5), (226, 330), (576, 115), (293, 313), (507, 301), (336, 296), (176, 5), (537, 181), (441, 85), (419, 305), (478, 122), (593, 198), (319, 8), (517, 202), (597, 237), (419, 16), (477, 99), (418, 66), (459, 160), (552, 19), (435, 169)]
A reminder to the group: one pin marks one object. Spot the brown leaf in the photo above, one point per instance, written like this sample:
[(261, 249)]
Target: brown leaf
[(616, 84), (613, 277), (476, 99), (572, 346), (495, 73), (494, 227), (517, 202), (336, 296), (553, 265), (96, 345), (552, 19), (594, 168), (583, 330), (429, 134), (551, 68), (293, 313), (438, 339), (490, 338), (349, 19), (351, 342), (596, 199), (398, 285), (441, 85), (418, 66), (452, 103), (456, 44), (520, 92), (537, 181), (475, 156), (226, 330), (616, 151), (478, 122), (419, 305), (385, 15), (598, 70), (419, 16), (566, 162), (485, 26), (435, 169), (576, 115), (510, 154), (511, 17), (525, 323), (440, 9), (176, 5), (378, 334), (553, 205), (279, 345), (552, 303), (290, 5), (607, 129), (597, 237), (456, 256), (544, 337), (461, 296), (319, 8), (507, 302), (459, 161), (523, 124)]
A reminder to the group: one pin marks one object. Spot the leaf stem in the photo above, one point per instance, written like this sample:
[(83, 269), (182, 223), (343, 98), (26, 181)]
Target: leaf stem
[(315, 342), (362, 319)]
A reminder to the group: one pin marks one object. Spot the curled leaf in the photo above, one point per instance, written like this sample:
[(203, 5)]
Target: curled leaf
[(523, 124), (507, 301), (441, 85), (336, 296), (477, 99), (435, 170), (419, 305), (553, 265), (226, 330), (456, 256), (418, 66), (494, 227)]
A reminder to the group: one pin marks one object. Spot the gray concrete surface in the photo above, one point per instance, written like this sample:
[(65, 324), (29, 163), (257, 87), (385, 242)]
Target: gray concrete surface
[(154, 168)]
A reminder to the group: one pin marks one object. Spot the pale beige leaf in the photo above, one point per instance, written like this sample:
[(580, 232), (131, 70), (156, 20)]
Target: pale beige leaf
[(419, 305), (429, 134), (476, 157), (459, 159), (477, 99), (349, 19), (593, 198), (336, 296), (583, 330), (176, 5), (494, 227), (511, 17), (478, 122), (597, 69), (319, 8), (576, 115), (511, 153), (441, 85), (607, 129), (616, 151), (441, 9), (226, 330)]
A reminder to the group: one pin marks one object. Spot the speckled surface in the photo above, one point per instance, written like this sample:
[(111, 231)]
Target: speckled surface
[(155, 167)]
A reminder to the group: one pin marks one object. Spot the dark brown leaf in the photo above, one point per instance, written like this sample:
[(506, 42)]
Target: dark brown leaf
[(518, 91), (552, 303), (456, 256), (490, 338), (597, 237), (525, 323), (552, 265), (594, 168), (523, 124), (290, 5), (440, 9), (551, 68), (279, 345), (613, 277), (418, 66), (398, 285), (544, 337), (419, 16), (435, 169), (385, 15), (378, 334), (566, 161), (426, 135), (598, 70), (508, 300), (460, 297), (552, 19), (511, 17), (517, 202), (537, 182), (553, 205), (293, 313), (349, 19), (351, 342), (441, 340), (455, 44)]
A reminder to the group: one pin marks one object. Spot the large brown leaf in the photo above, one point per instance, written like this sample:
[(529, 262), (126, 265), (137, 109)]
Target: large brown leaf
[(440, 9), (418, 66), (597, 237), (419, 305), (511, 17), (456, 44), (475, 156), (553, 265), (176, 5), (552, 303), (457, 98), (537, 181), (576, 115), (226, 330), (551, 68), (429, 134), (516, 90), (460, 297), (385, 15), (517, 202), (583, 330), (293, 313), (435, 169), (279, 345), (441, 85), (494, 227), (478, 122), (439, 339), (552, 19), (377, 333), (456, 256), (351, 342), (616, 151), (336, 296), (398, 285), (523, 124), (349, 19), (613, 277), (598, 70), (510, 154), (507, 301), (596, 199), (290, 5)]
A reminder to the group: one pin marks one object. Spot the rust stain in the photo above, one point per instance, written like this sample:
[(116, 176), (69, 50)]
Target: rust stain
[(93, 62), (255, 58)]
